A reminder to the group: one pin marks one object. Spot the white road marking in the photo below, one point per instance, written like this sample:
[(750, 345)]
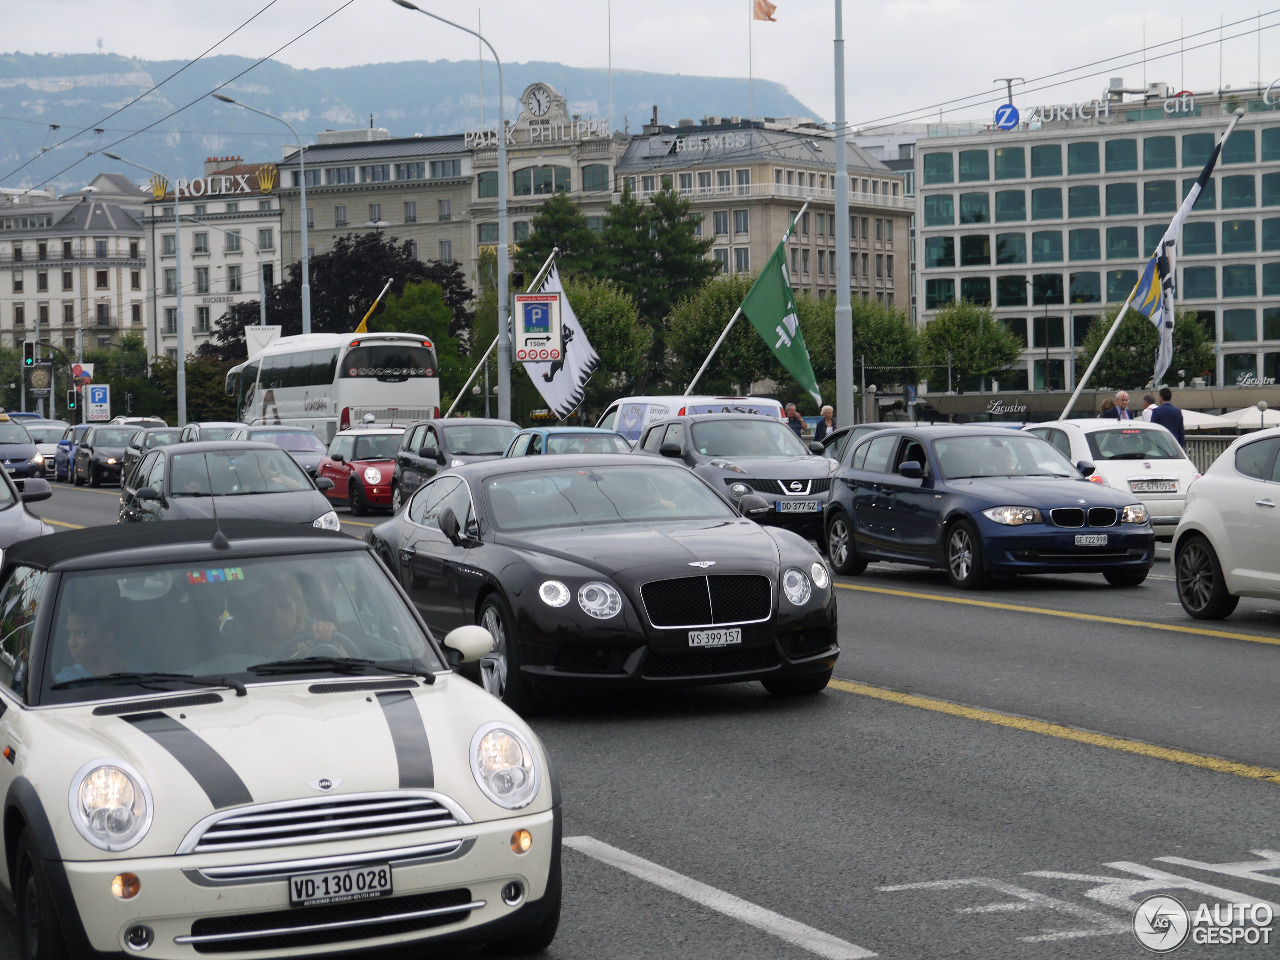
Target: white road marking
[(791, 931)]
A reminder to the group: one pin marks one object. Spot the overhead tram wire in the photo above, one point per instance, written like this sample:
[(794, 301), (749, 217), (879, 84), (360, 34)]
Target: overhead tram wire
[(153, 89), (186, 106)]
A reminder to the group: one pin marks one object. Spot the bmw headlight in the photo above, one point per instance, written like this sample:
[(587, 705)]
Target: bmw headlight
[(504, 766), (1134, 513), (796, 586), (739, 490), (600, 600), (818, 574), (554, 593), (327, 522), (1013, 516), (110, 804)]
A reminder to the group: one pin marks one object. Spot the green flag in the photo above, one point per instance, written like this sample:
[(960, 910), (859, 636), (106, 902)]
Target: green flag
[(770, 305)]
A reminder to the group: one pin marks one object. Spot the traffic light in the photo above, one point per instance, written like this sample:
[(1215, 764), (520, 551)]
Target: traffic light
[(71, 399), (128, 403), (28, 353)]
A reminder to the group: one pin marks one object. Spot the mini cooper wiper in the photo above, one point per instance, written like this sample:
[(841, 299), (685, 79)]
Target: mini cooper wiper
[(137, 677), (312, 664)]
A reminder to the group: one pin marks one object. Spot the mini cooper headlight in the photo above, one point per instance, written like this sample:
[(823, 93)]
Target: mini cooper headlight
[(1013, 516), (110, 804), (600, 600), (554, 593), (796, 586), (818, 574), (329, 521), (504, 766), (372, 475), (739, 490), (1133, 513)]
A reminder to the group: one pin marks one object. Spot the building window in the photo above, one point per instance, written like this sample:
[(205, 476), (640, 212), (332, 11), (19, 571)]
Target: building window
[(42, 311), (411, 211), (268, 276), (375, 213), (888, 231), (266, 238), (1196, 148), (445, 168), (1122, 199), (539, 181), (938, 293), (973, 165), (1239, 149), (939, 252), (167, 246), (974, 208), (1082, 157), (170, 281), (487, 233), (721, 257), (1011, 291), (339, 214), (202, 279), (376, 173), (1122, 155), (976, 290), (1199, 283), (135, 313), (648, 184), (19, 315), (67, 253), (1160, 196), (721, 219), (520, 231), (233, 278), (233, 241), (804, 261), (1239, 280), (313, 177), (1197, 238), (446, 251), (742, 259), (880, 229), (1046, 288), (1082, 201), (17, 281), (202, 319), (938, 168), (445, 207), (1086, 288), (1046, 246), (822, 263), (1010, 163), (264, 206), (596, 224), (1270, 279), (888, 266), (696, 218), (1238, 191), (103, 314), (704, 182), (1159, 153), (1271, 189), (864, 227), (975, 251), (1046, 203), (100, 279), (1270, 233), (133, 249), (595, 178), (171, 320), (1011, 205), (1011, 248), (724, 181), (741, 222), (200, 243), (487, 185), (1084, 245), (1046, 160), (685, 181), (311, 218), (68, 314), (1238, 236), (339, 175), (1208, 199), (411, 171), (99, 248), (233, 206), (42, 280)]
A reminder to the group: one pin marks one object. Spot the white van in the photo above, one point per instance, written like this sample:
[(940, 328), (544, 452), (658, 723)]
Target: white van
[(630, 415)]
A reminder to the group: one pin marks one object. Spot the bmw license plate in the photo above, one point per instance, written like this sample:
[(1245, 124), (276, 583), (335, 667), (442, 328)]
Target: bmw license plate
[(1091, 539), (1153, 486), (715, 638), (339, 886), (799, 506)]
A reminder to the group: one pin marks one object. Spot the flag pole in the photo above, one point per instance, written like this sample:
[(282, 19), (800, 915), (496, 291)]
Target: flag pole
[(363, 326), (724, 333), (1096, 357), (751, 94), (542, 272)]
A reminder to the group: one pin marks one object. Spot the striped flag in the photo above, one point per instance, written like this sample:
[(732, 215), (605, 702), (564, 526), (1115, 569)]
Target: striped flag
[(1153, 296)]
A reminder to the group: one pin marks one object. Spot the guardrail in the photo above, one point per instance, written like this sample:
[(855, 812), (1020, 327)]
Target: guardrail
[(1204, 450)]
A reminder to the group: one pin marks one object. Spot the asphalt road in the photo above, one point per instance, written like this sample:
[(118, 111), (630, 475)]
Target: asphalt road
[(1003, 774)]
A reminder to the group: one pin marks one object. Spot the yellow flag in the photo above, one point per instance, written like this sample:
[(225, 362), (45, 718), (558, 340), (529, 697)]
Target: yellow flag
[(364, 324)]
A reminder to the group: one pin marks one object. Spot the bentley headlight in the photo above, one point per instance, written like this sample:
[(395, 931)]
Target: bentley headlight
[(110, 804), (796, 586), (329, 521), (554, 593), (1013, 516), (818, 574), (1134, 513), (739, 490), (504, 766), (600, 600)]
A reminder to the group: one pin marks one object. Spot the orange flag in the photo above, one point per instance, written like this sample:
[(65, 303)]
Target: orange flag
[(763, 10)]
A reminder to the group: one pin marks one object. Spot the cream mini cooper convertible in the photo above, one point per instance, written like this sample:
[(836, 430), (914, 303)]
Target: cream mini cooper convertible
[(244, 742)]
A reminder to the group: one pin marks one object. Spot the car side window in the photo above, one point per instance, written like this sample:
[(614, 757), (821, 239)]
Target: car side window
[(457, 499), (535, 445), (430, 445), (675, 434), (653, 439), (1257, 459), (518, 445), (1058, 438), (155, 476), (879, 454), (19, 607), (143, 469), (913, 451), (424, 509)]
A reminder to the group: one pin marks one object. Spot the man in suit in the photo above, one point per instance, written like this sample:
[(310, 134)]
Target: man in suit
[(1169, 416), (1121, 410)]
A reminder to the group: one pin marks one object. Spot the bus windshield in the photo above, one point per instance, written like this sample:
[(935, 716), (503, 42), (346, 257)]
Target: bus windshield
[(389, 362)]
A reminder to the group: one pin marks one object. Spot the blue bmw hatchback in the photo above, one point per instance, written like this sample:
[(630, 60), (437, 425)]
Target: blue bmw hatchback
[(975, 502)]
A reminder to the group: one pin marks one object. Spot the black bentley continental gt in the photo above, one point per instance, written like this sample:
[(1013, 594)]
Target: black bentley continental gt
[(607, 572)]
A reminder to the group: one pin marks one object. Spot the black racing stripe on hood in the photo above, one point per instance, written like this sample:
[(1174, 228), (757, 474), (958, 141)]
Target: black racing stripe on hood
[(217, 779), (409, 737)]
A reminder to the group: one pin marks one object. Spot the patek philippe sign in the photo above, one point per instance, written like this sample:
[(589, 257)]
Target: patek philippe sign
[(540, 131), (1001, 408)]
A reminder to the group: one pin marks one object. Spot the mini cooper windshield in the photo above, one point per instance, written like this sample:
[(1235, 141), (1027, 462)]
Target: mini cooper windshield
[(539, 499), (180, 625), (377, 446), (1016, 455)]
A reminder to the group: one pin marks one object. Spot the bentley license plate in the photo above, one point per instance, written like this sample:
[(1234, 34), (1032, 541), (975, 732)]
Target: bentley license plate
[(1091, 539), (339, 886), (799, 506), (1153, 486), (715, 638)]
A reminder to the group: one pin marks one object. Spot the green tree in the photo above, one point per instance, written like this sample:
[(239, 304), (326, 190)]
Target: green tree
[(559, 223), (967, 339), (1129, 361), (696, 323), (883, 338), (609, 320), (421, 308)]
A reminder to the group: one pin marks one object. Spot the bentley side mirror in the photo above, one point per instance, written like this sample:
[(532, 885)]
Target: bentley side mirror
[(751, 506), (36, 489), (449, 524), (911, 469), (324, 483), (1086, 467), (669, 450), (467, 644)]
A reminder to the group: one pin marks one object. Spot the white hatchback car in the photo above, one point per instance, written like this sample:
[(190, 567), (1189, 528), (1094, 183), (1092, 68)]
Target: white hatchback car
[(1225, 546), (1130, 455), (245, 742)]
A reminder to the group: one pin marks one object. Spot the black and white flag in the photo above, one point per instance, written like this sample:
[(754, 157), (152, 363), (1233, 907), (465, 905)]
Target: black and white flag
[(562, 382)]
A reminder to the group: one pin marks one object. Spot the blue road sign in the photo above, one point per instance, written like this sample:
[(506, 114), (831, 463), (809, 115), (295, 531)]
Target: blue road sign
[(99, 394), (1006, 116)]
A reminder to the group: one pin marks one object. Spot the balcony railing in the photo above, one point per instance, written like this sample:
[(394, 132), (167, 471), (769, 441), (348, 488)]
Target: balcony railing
[(783, 191), (7, 259)]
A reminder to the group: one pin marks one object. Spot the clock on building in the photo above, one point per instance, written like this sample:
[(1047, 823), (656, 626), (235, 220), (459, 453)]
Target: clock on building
[(537, 100)]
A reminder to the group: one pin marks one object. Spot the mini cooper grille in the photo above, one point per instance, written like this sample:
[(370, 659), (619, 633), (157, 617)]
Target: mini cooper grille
[(706, 601), (710, 663), (775, 487), (331, 923), (322, 819)]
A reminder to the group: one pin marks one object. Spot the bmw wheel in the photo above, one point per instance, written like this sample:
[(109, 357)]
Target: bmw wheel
[(500, 668), (841, 549), (964, 557), (1201, 585)]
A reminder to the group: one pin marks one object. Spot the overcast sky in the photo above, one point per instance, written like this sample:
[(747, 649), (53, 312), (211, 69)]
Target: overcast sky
[(904, 56)]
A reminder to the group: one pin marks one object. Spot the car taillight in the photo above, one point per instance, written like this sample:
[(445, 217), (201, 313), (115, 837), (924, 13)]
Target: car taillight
[(1098, 479), (344, 422), (681, 413)]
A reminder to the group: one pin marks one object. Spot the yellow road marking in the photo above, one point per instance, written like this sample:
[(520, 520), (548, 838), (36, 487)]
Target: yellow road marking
[(357, 523), (1062, 732), (60, 523), (1066, 614)]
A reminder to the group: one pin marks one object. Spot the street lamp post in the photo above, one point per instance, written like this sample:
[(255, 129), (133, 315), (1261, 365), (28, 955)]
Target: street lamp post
[(504, 333), (177, 250), (262, 277), (302, 179)]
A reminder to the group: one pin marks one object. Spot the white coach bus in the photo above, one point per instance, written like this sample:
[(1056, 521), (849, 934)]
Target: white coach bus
[(330, 381)]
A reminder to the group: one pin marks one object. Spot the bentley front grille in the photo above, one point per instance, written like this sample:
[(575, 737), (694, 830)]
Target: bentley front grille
[(707, 601), (321, 819)]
